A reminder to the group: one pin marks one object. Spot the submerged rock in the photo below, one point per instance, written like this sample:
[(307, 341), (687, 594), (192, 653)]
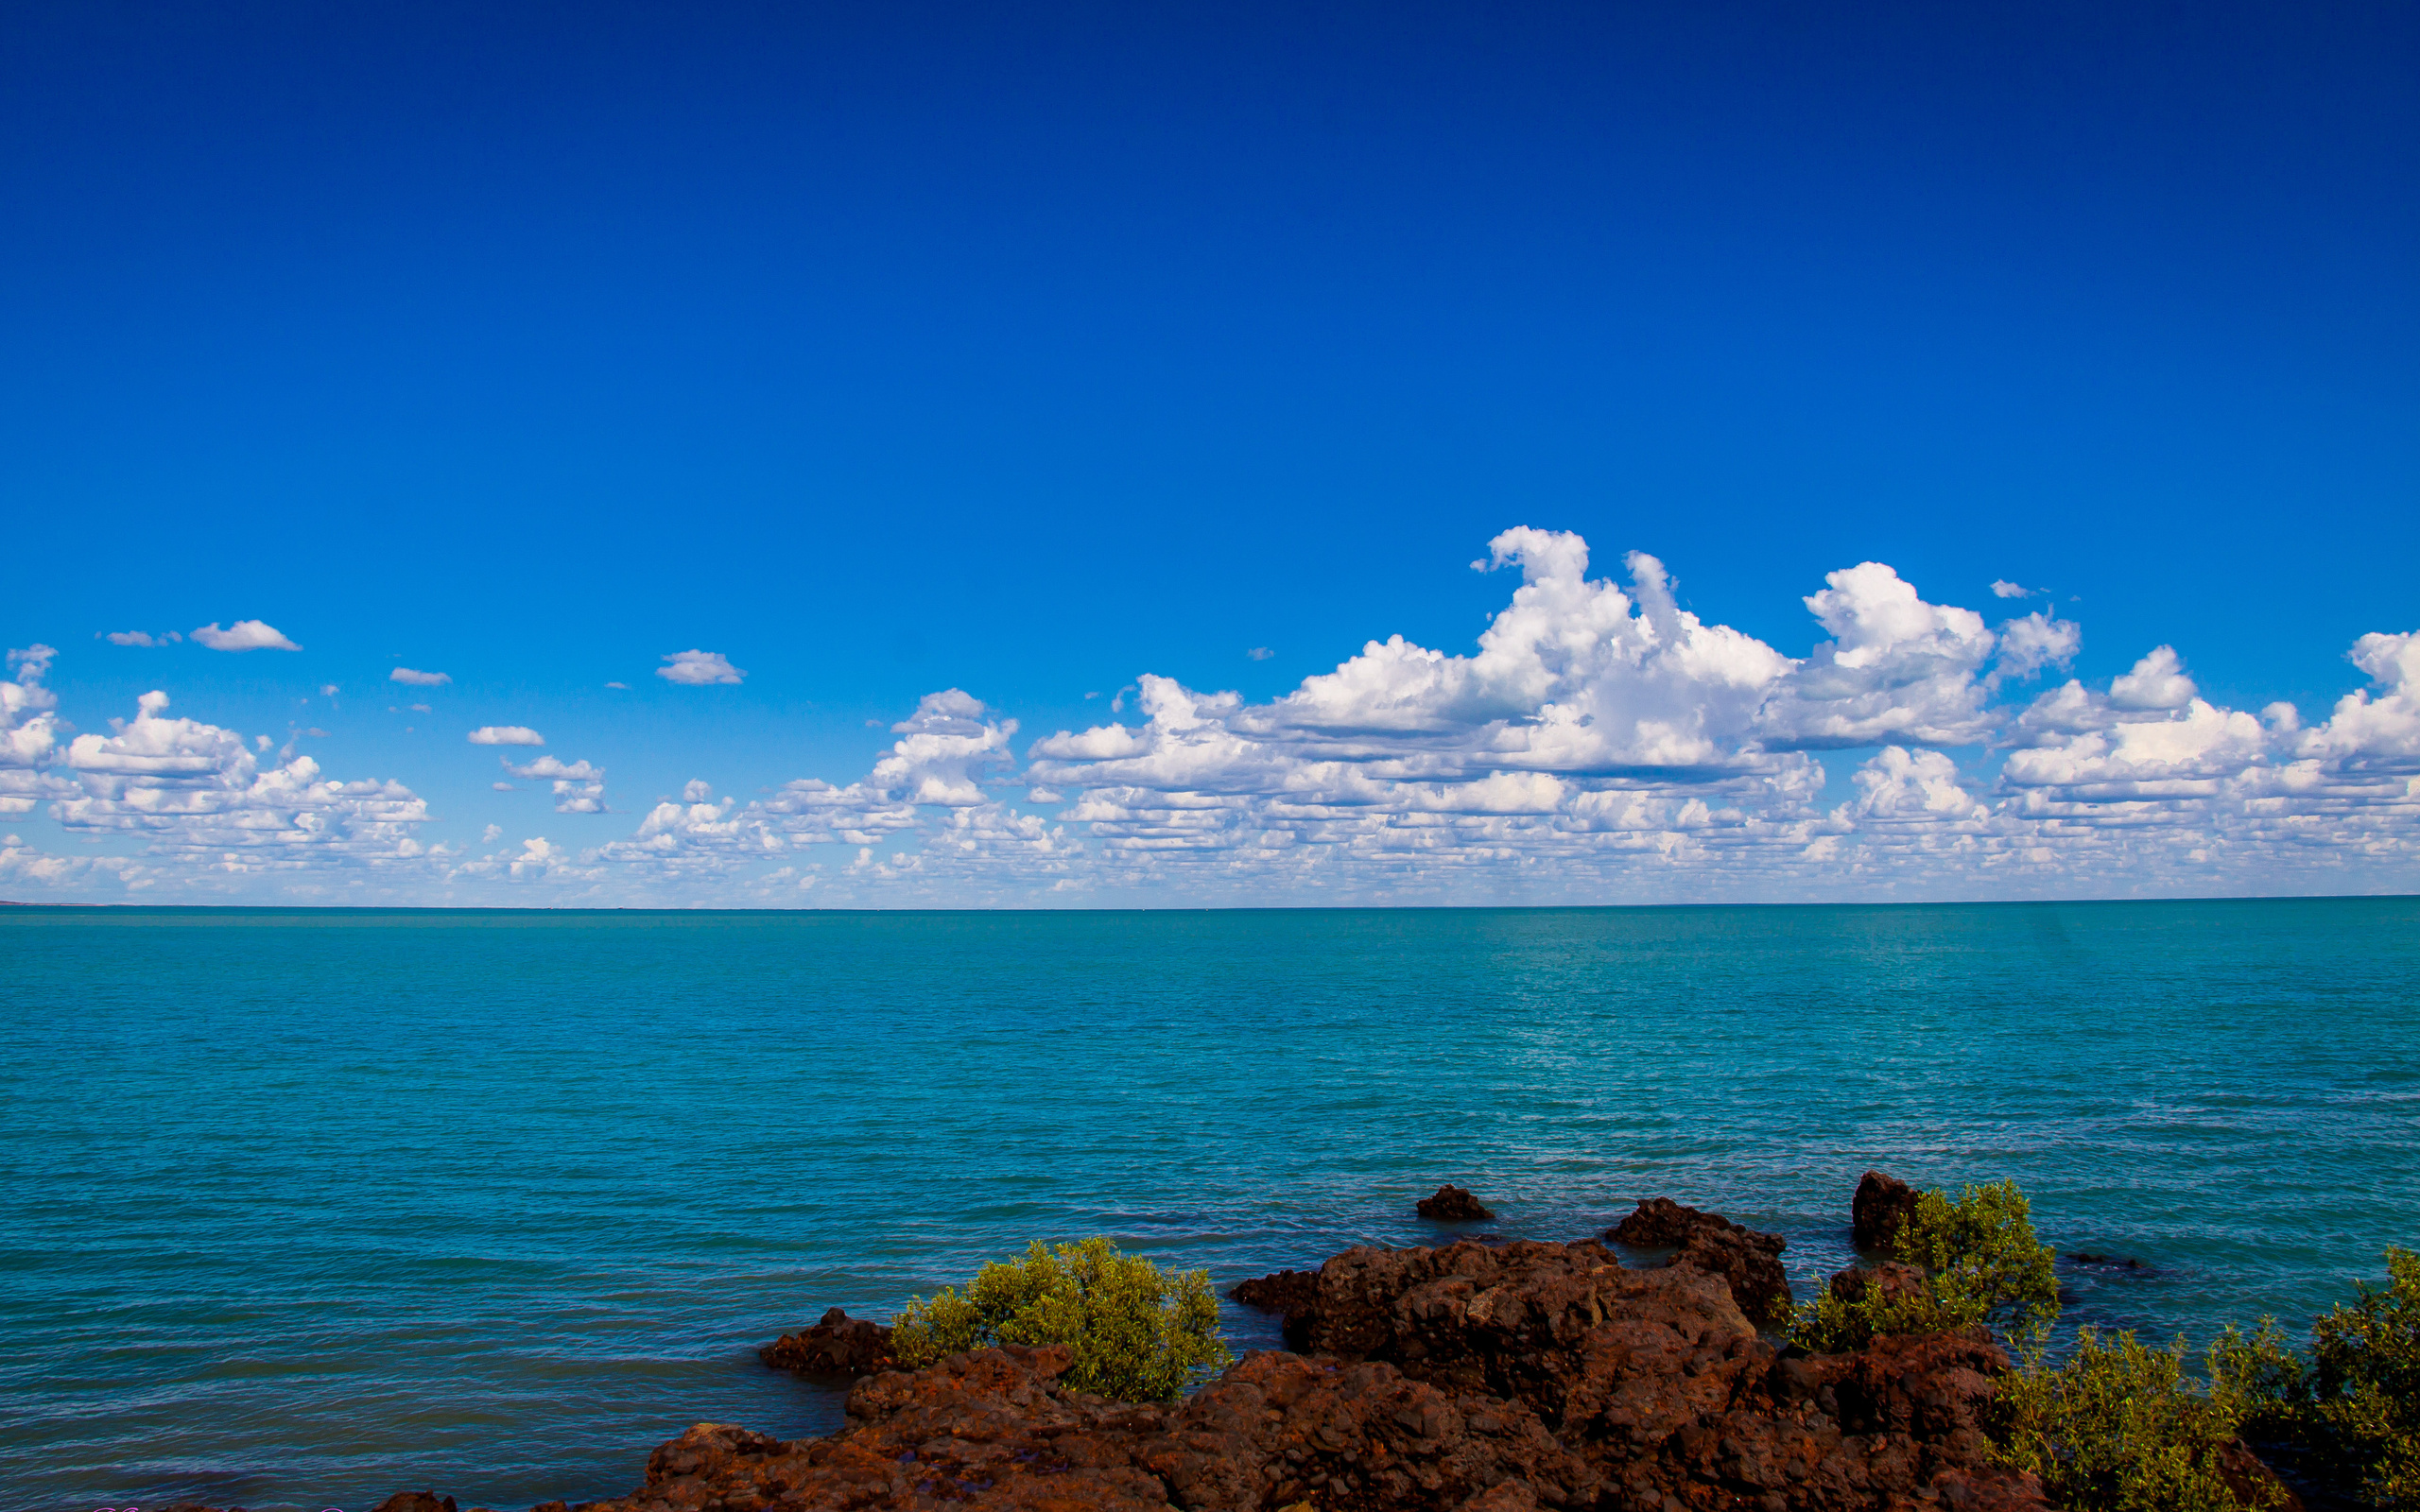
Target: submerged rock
[(837, 1345), (1882, 1204), (1453, 1205), (1749, 1261)]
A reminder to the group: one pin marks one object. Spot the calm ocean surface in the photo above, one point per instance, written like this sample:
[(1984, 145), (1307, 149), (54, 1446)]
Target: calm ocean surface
[(310, 1207)]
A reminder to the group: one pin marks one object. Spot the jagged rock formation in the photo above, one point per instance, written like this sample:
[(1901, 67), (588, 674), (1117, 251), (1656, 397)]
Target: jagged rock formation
[(1465, 1377), (1292, 1295), (1453, 1205), (1749, 1261), (1881, 1205), (1492, 1378), (837, 1345)]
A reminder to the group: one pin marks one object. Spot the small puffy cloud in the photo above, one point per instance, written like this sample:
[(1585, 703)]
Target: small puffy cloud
[(696, 790), (419, 679), (504, 787), (579, 797), (491, 834), (554, 767), (244, 635), (2037, 641), (2002, 588), (140, 638), (2158, 682), (1258, 653), (624, 686), (505, 735), (697, 669), (328, 690)]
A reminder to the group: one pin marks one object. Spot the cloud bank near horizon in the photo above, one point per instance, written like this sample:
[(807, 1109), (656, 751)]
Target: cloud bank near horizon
[(1601, 744)]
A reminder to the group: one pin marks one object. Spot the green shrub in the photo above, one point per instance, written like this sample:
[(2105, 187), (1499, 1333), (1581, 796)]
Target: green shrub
[(2122, 1428), (1139, 1333), (2365, 1386), (1981, 1264)]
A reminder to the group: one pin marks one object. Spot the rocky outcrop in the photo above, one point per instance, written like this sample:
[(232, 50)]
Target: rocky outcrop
[(1293, 1294), (1454, 1205), (1466, 1378), (1882, 1204), (837, 1345), (1660, 1223), (1892, 1278), (1750, 1262)]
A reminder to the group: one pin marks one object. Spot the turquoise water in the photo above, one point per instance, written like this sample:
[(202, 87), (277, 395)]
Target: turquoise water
[(307, 1208)]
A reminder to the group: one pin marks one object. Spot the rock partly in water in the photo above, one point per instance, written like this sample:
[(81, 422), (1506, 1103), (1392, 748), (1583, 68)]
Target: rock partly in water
[(1292, 1295), (1470, 1378), (1891, 1279), (1749, 1261), (837, 1345), (1881, 1206), (1452, 1203)]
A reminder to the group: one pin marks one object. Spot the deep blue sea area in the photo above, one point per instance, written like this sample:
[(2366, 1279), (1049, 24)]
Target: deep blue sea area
[(309, 1208)]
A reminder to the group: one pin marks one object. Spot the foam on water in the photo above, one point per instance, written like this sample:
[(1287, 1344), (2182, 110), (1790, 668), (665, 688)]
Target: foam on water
[(309, 1208)]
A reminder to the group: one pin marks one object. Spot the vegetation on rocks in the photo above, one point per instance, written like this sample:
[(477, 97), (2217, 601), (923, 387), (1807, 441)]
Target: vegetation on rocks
[(2119, 1426), (2123, 1427), (1136, 1332), (1976, 1263)]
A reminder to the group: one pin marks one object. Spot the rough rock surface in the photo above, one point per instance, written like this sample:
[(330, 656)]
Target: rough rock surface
[(1468, 1377), (1881, 1205), (1454, 1205), (837, 1345), (1708, 1242), (1293, 1294), (1894, 1279)]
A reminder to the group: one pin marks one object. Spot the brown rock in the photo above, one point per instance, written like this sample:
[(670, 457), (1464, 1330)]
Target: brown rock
[(416, 1501), (1454, 1205), (837, 1345), (1750, 1262), (1293, 1294), (1896, 1278), (1881, 1206), (1468, 1377), (1661, 1223)]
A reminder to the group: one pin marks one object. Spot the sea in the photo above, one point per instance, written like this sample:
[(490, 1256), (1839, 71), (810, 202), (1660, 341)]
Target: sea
[(300, 1208)]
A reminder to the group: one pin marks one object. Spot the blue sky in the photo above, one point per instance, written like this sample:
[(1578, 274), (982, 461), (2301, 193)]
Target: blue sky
[(1026, 351)]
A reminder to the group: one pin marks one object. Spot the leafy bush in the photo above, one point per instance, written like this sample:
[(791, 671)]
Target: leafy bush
[(1137, 1333), (2122, 1428), (1981, 1266), (2365, 1386)]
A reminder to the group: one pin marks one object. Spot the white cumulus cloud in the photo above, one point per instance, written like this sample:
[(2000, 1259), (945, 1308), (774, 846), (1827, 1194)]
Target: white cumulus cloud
[(505, 735), (419, 679), (244, 635), (698, 669)]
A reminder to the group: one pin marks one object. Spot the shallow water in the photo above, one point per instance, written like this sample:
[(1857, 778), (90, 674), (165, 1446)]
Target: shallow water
[(309, 1207)]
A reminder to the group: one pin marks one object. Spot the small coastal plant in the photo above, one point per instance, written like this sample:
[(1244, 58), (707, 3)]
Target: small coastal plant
[(2365, 1386), (1139, 1333), (2123, 1427), (1981, 1265)]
